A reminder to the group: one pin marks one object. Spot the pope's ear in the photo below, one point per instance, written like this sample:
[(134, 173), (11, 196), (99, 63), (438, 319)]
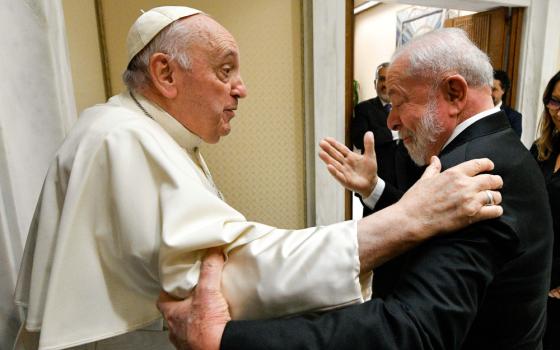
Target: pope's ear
[(162, 73)]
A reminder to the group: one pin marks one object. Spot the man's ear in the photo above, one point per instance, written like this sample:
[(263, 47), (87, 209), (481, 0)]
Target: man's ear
[(454, 89), (163, 75)]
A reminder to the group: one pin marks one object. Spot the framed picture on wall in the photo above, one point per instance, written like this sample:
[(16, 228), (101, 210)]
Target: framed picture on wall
[(417, 20)]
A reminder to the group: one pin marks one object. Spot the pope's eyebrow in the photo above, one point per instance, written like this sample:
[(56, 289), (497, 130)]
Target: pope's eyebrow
[(226, 52)]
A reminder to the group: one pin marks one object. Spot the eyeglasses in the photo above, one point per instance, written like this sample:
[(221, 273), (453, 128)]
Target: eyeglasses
[(553, 104)]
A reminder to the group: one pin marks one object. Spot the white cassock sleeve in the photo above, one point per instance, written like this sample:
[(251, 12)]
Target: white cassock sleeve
[(270, 271)]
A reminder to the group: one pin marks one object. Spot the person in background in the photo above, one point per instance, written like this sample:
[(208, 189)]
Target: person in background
[(546, 150), (128, 207), (500, 89), (371, 115), (394, 165)]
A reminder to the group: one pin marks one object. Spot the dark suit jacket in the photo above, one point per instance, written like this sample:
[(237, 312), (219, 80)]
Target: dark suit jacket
[(514, 118), (370, 115), (552, 181), (483, 287)]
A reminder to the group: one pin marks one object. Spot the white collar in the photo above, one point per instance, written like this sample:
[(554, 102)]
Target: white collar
[(499, 105), (470, 121), (183, 136)]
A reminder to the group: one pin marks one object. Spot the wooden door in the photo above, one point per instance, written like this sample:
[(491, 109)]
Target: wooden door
[(498, 33)]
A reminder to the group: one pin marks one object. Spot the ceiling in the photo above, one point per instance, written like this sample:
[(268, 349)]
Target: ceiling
[(470, 5)]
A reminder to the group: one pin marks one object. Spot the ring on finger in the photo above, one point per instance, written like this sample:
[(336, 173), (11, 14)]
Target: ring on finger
[(489, 198)]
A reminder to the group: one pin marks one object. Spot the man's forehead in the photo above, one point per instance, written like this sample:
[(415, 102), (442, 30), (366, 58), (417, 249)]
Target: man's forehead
[(394, 76), (214, 39), (400, 83)]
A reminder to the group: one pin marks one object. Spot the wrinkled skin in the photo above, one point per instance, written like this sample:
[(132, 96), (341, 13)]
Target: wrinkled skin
[(198, 322)]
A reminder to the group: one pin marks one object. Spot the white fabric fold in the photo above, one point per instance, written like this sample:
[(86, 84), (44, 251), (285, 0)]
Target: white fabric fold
[(125, 211)]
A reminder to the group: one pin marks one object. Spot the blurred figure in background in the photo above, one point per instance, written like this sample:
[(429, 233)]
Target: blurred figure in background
[(371, 115), (394, 165), (499, 91), (546, 150)]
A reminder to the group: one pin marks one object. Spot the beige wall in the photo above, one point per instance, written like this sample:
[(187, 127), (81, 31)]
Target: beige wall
[(558, 57), (85, 58), (260, 166)]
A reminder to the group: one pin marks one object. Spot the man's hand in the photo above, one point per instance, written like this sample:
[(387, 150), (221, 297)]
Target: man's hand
[(354, 171), (554, 293), (458, 197), (198, 322)]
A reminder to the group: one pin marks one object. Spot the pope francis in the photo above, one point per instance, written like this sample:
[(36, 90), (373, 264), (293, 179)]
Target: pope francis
[(128, 208)]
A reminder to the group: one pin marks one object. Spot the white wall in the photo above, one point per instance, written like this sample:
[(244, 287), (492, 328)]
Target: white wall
[(329, 75), (540, 60), (374, 42)]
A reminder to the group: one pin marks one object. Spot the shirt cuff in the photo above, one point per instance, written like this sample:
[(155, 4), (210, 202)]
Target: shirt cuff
[(373, 198)]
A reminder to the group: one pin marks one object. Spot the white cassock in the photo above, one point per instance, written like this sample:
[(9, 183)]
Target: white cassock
[(127, 208)]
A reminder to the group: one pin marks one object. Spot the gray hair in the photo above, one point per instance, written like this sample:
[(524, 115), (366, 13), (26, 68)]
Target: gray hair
[(444, 51), (381, 66), (137, 73)]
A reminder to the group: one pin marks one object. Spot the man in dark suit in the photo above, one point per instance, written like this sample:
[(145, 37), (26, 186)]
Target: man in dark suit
[(500, 89), (483, 287), (371, 115), (394, 165)]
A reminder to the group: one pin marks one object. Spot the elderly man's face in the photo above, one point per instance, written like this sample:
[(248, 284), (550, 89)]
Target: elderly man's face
[(419, 114), (497, 92), (210, 89), (381, 86)]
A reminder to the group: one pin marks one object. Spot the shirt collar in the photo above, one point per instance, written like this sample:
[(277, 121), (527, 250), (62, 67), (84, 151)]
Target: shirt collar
[(470, 121), (499, 105), (183, 136)]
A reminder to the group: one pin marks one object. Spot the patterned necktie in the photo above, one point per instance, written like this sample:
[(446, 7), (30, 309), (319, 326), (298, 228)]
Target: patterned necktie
[(387, 108)]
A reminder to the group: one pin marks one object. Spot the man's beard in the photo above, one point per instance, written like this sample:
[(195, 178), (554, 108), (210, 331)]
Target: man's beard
[(428, 130)]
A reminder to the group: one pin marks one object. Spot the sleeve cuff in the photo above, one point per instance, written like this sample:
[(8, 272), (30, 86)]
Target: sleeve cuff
[(373, 198)]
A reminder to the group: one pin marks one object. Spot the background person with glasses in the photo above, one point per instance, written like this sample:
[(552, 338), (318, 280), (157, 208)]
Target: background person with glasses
[(546, 150)]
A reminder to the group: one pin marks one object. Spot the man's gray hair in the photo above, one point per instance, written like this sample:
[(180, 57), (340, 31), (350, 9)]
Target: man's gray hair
[(173, 41), (443, 51), (381, 66)]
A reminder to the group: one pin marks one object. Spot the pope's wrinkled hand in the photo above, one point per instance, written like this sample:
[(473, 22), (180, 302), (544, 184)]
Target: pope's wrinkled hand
[(441, 201), (455, 198), (198, 322)]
